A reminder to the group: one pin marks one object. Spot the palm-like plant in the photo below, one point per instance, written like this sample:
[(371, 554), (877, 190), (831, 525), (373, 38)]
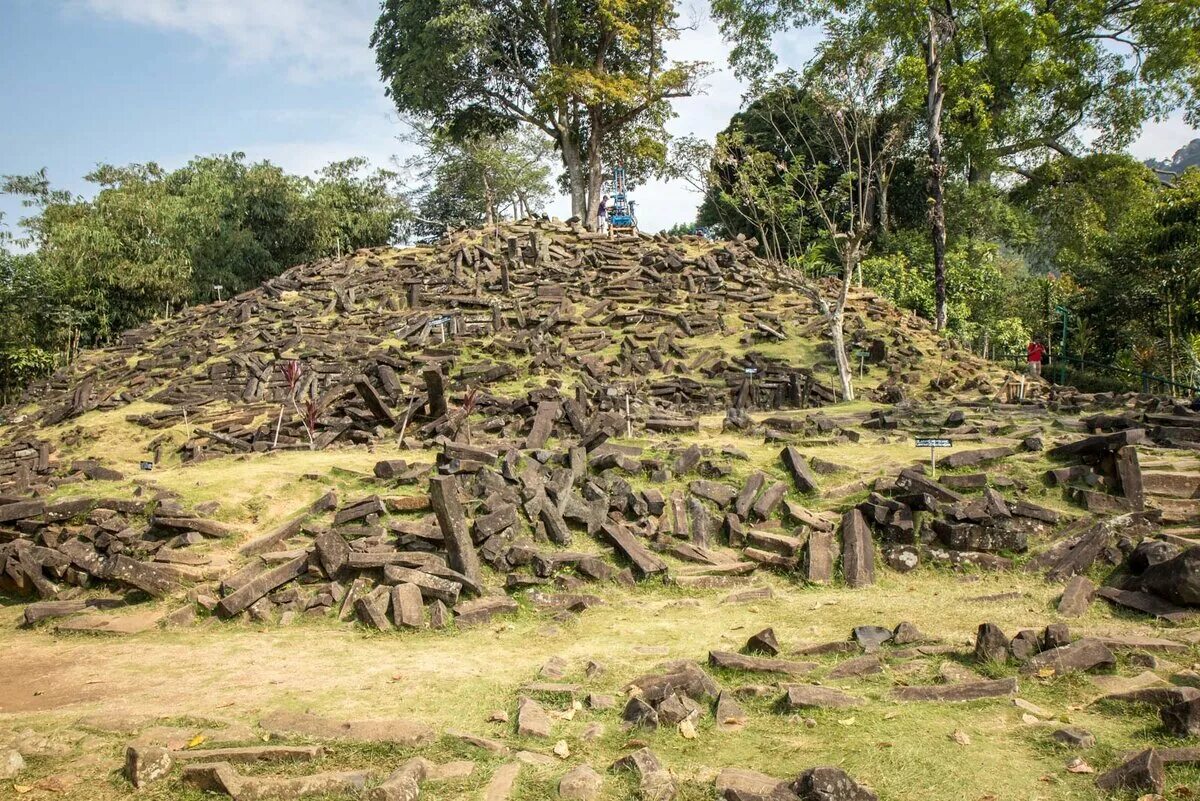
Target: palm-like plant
[(292, 371), (312, 412), (468, 408)]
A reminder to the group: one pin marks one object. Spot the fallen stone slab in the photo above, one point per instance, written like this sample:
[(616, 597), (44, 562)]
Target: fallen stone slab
[(1183, 717), (1146, 603), (240, 599), (858, 551), (1079, 656), (811, 696), (644, 561), (581, 783), (760, 664), (404, 783), (143, 765), (797, 467), (398, 731), (221, 777), (120, 625), (265, 753), (1103, 443), (1076, 597), (481, 610), (654, 781), (460, 551), (830, 784), (965, 691), (741, 784), (504, 780), (1143, 773)]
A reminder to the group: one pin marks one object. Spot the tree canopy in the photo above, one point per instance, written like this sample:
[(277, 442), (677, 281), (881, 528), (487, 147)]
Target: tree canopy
[(591, 75)]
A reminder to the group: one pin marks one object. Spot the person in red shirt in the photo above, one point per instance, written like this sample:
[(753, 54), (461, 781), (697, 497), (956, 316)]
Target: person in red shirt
[(1035, 353)]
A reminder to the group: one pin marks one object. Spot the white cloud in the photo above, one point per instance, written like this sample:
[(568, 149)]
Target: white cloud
[(312, 39)]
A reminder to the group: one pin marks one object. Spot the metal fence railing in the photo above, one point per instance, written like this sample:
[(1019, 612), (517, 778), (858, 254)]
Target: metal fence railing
[(1062, 368)]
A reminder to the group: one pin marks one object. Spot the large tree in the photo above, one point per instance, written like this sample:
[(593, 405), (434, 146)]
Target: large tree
[(1023, 78), (585, 73), (476, 181), (1008, 82)]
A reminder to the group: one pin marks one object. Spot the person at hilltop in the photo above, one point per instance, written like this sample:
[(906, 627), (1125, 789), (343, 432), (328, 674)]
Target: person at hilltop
[(1034, 355), (602, 216)]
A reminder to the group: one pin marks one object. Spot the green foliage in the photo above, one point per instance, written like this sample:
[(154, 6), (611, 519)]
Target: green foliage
[(1018, 78), (151, 240), (591, 75), (474, 181)]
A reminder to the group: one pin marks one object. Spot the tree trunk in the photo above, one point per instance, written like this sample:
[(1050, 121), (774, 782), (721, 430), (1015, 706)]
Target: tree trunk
[(489, 203), (595, 180), (837, 321), (576, 176), (937, 171)]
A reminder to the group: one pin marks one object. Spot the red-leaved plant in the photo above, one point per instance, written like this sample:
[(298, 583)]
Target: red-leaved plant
[(292, 371), (312, 412), (468, 408)]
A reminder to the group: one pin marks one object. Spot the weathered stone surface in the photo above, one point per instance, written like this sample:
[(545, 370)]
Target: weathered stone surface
[(12, 763), (858, 551), (729, 713), (750, 785), (1074, 737), (798, 469), (991, 644), (763, 643), (1143, 773), (871, 638), (1177, 579), (401, 732), (727, 659), (407, 608), (460, 551), (811, 696), (481, 610), (504, 780), (251, 754), (1076, 597), (581, 783), (830, 784), (654, 781), (1081, 655), (532, 720), (644, 562), (146, 764), (819, 556), (240, 599), (1182, 719), (965, 691)]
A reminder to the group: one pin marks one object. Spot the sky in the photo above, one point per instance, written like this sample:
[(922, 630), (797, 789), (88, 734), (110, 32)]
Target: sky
[(292, 81)]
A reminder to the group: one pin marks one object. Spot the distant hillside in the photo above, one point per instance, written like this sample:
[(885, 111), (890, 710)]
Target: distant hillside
[(1186, 156)]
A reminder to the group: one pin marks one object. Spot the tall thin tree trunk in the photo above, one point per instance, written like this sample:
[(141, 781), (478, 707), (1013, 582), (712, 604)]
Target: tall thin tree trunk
[(837, 323), (595, 179), (576, 176), (937, 170)]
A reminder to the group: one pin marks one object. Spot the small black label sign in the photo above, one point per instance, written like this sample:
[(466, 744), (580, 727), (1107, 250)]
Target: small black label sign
[(934, 442)]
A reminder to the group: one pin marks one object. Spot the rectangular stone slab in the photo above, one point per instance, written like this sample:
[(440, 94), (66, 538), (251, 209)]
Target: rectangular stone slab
[(406, 733), (966, 691), (798, 469), (644, 561), (760, 664), (858, 550), (265, 753), (241, 598), (460, 551)]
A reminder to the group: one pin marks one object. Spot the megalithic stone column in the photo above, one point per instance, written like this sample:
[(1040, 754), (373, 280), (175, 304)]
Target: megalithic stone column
[(858, 551), (460, 551), (436, 390)]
